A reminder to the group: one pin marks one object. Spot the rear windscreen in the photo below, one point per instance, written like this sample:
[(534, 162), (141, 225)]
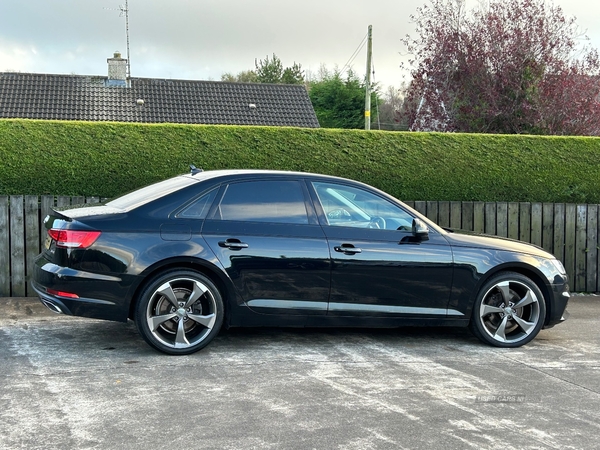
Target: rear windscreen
[(147, 194)]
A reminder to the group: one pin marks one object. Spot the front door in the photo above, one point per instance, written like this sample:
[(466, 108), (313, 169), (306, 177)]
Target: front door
[(378, 268)]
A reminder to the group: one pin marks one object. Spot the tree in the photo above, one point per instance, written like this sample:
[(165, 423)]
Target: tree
[(340, 102), (511, 67), (390, 110), (293, 75), (272, 71), (245, 76)]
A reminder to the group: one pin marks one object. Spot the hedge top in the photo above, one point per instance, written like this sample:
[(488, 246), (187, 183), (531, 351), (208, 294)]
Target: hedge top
[(109, 159)]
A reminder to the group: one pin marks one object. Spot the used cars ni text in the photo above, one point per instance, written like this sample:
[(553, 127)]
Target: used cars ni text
[(186, 256)]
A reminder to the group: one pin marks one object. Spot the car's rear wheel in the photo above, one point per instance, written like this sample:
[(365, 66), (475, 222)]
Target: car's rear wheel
[(509, 311), (179, 312)]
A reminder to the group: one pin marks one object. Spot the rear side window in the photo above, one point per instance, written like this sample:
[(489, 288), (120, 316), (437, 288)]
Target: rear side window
[(199, 209), (275, 201)]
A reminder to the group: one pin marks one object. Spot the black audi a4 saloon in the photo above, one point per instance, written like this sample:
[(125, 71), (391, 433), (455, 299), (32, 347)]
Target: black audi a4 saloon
[(191, 254)]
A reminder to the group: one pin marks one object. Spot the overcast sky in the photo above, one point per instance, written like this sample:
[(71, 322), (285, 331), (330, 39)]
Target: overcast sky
[(202, 39)]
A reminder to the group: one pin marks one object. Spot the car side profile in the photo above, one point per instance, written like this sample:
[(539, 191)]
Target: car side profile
[(191, 254)]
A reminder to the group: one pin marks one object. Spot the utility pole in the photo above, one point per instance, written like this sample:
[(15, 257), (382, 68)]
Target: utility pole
[(368, 79)]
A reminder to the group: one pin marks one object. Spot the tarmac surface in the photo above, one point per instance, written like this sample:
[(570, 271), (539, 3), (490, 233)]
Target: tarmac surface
[(68, 382)]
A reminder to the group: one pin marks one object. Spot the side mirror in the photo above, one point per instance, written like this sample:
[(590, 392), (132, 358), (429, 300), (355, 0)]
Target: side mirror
[(420, 230)]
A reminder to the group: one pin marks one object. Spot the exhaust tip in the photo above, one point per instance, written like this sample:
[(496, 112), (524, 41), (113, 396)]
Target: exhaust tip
[(51, 306)]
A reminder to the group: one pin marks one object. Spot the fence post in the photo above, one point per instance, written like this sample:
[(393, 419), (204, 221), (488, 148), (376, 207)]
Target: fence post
[(569, 261), (467, 216), (536, 224), (4, 248), (479, 217), (444, 214), (592, 249), (32, 237), (502, 219), (580, 247), (455, 215), (525, 222), (490, 218), (46, 205), (432, 211), (17, 246)]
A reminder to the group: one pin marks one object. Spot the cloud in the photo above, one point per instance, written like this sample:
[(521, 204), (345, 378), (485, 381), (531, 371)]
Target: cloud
[(202, 39)]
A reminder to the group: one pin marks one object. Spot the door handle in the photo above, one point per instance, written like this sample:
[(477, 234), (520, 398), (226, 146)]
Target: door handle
[(233, 244), (347, 249)]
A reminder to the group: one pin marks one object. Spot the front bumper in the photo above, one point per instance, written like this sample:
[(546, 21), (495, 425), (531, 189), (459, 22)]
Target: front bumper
[(558, 309)]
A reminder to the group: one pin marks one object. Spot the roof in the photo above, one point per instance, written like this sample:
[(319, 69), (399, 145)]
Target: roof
[(89, 98)]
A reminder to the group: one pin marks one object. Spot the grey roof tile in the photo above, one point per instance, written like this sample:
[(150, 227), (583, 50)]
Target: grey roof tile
[(77, 97)]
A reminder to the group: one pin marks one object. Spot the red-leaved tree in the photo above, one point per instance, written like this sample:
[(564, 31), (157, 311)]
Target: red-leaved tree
[(513, 66)]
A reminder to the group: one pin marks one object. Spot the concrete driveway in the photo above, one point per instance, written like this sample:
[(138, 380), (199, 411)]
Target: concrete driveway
[(67, 382)]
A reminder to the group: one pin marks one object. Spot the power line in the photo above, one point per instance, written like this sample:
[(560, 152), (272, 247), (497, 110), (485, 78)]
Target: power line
[(355, 54), (372, 68)]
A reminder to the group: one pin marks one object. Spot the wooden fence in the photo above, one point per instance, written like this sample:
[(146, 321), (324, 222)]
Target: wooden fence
[(21, 222), (569, 231)]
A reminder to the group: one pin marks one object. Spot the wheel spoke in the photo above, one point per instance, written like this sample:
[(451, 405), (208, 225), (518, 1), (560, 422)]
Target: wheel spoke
[(527, 300), (157, 321), (504, 288), (489, 309), (181, 339), (167, 291), (198, 291), (207, 321), (526, 326), (500, 332)]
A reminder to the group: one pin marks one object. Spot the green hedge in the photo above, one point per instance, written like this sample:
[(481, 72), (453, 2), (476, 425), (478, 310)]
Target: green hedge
[(108, 159)]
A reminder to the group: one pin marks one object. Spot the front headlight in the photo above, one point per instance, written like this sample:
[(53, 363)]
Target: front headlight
[(559, 266)]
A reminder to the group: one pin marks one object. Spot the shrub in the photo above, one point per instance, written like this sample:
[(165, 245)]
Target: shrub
[(109, 159)]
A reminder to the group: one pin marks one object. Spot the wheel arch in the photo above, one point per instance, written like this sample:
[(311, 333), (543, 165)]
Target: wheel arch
[(213, 272), (523, 269)]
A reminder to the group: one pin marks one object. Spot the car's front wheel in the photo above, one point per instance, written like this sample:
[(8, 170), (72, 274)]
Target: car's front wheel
[(179, 312), (509, 311)]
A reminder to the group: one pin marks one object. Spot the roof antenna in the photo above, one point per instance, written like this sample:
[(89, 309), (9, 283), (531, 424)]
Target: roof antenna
[(194, 170), (125, 12)]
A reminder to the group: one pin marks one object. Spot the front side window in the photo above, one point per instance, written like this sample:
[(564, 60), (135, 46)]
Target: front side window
[(264, 201), (353, 207)]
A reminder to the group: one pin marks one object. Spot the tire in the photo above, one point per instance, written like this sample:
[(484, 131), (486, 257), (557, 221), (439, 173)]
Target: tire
[(179, 312), (509, 311)]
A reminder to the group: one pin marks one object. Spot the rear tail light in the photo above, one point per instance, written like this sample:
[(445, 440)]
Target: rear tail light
[(62, 293), (73, 239)]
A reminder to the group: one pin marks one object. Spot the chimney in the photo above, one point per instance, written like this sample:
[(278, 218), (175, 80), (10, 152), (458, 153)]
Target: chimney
[(117, 71)]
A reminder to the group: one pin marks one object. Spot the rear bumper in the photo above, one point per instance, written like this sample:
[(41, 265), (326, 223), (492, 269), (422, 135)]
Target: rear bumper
[(99, 296), (51, 302)]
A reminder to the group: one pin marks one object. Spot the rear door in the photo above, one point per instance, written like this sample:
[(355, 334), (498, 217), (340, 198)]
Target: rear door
[(266, 234)]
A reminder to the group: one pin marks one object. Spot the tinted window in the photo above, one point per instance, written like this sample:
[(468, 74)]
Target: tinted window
[(264, 201), (200, 207), (149, 193), (353, 207)]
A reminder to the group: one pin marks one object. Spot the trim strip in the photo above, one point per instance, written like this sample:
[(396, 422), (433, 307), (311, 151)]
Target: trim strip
[(287, 304), (350, 307), (391, 309)]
